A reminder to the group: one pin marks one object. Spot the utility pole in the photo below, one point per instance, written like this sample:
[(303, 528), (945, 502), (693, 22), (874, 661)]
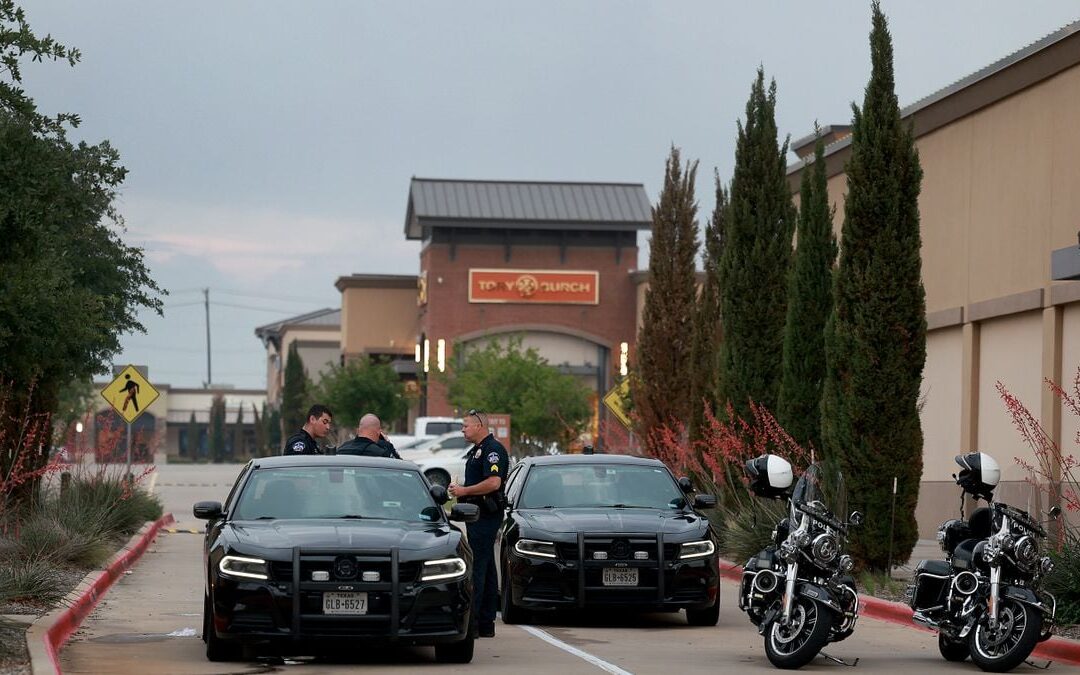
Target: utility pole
[(206, 304)]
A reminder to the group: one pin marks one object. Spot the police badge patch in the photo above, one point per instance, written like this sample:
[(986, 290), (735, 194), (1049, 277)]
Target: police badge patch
[(493, 457), (298, 446)]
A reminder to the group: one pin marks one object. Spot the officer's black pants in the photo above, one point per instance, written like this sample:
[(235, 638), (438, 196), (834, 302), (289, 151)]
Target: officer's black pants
[(485, 577)]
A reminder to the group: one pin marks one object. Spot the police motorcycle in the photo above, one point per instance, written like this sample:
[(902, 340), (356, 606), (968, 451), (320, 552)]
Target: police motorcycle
[(798, 590), (984, 599)]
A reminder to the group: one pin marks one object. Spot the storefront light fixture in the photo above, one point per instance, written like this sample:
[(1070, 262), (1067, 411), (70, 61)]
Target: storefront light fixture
[(624, 358), (418, 352), (427, 354), (440, 355)]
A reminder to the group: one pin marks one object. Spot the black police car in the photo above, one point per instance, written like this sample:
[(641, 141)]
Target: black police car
[(593, 530), (312, 552)]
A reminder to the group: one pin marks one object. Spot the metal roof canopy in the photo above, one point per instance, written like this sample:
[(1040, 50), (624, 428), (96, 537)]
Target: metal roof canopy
[(1065, 264), (437, 203)]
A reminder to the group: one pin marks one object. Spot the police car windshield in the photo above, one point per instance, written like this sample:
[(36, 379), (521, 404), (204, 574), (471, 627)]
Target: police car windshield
[(352, 492), (600, 485)]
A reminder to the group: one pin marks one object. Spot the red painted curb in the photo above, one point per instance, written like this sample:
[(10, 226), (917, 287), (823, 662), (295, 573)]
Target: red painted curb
[(1056, 648), (72, 618)]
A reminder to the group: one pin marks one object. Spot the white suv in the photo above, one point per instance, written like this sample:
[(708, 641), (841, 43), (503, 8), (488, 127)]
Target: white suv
[(441, 459)]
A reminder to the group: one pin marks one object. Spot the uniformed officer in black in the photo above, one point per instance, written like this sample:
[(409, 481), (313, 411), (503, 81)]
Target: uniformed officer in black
[(485, 469), (370, 441), (317, 426)]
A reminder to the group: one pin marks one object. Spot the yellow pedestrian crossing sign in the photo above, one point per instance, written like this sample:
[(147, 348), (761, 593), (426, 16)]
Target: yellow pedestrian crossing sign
[(130, 394), (618, 401)]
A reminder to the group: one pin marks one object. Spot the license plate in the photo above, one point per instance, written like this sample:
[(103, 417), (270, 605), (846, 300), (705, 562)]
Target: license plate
[(620, 576), (344, 603)]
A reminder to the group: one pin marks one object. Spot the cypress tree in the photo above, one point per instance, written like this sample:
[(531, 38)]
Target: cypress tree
[(756, 257), (661, 386), (192, 447), (707, 332), (809, 305), (875, 339), (217, 428), (294, 393), (238, 433)]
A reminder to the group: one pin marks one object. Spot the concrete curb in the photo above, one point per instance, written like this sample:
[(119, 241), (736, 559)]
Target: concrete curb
[(1056, 648), (48, 633)]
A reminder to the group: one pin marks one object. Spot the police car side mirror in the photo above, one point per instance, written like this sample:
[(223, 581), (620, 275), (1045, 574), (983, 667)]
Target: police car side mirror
[(439, 494), (685, 485), (465, 513), (704, 501), (207, 510)]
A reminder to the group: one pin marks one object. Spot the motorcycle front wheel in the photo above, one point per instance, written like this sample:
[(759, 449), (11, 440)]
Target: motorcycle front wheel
[(1008, 645), (797, 643)]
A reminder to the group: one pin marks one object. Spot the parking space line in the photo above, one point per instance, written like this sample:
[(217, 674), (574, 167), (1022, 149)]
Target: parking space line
[(595, 660)]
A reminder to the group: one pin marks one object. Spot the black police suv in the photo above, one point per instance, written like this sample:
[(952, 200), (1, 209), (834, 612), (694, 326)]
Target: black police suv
[(310, 553), (606, 530)]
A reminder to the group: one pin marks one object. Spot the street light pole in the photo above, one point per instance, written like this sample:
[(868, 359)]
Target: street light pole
[(206, 304)]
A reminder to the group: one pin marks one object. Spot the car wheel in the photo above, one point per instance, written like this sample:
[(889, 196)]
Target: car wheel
[(437, 477), (216, 648), (455, 652), (511, 613), (709, 616)]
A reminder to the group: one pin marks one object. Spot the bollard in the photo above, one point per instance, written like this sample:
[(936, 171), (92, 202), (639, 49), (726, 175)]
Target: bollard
[(65, 482)]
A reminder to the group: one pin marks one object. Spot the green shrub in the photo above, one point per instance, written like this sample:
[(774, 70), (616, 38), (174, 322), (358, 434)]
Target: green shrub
[(1064, 581), (45, 536), (748, 525), (29, 578)]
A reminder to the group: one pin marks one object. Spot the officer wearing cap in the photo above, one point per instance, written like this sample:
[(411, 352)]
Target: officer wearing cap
[(317, 426), (485, 469)]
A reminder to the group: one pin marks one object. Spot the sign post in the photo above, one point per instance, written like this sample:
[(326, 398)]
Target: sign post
[(129, 394)]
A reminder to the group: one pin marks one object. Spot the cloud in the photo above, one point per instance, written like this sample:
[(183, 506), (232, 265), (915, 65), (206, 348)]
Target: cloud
[(252, 245)]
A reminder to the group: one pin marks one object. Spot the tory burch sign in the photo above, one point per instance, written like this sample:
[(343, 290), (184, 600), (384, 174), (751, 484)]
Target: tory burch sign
[(534, 286)]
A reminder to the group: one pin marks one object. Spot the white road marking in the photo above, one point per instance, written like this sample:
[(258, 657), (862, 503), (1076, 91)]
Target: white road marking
[(595, 660), (153, 482)]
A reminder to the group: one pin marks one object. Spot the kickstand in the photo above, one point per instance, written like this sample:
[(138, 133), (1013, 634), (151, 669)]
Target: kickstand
[(837, 659), (1035, 665)]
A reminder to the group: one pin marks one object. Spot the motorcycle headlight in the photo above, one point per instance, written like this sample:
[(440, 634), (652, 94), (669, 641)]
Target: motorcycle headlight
[(697, 549), (439, 570), (1025, 552), (535, 549), (825, 548), (847, 563), (243, 568)]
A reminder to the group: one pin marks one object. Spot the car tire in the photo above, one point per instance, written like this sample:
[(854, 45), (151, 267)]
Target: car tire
[(511, 613), (710, 616), (455, 652), (437, 477), (216, 648)]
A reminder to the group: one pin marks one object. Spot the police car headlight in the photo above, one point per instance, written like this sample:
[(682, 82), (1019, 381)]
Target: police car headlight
[(535, 549), (243, 568), (696, 549), (442, 570)]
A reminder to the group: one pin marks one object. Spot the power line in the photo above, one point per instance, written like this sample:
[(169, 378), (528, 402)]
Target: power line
[(251, 307), (288, 298)]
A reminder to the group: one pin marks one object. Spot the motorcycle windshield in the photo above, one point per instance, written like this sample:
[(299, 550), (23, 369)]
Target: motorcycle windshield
[(820, 494)]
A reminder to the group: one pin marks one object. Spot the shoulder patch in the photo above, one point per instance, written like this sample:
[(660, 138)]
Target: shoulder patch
[(495, 468), (299, 445), (493, 457)]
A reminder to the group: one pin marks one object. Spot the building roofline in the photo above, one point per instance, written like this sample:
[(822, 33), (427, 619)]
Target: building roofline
[(528, 182), (274, 329), (376, 281), (1009, 75)]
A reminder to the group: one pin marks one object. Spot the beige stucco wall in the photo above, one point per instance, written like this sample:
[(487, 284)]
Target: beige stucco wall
[(940, 392), (1010, 353), (378, 319), (1070, 361)]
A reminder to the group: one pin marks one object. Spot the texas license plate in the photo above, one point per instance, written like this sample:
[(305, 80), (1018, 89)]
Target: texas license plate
[(344, 603), (620, 576)]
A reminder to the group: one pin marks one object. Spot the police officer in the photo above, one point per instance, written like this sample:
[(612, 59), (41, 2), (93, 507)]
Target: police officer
[(317, 426), (370, 441), (485, 469)]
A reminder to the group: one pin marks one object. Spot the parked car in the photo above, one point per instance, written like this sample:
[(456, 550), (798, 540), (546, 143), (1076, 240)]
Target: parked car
[(425, 428), (442, 459), (606, 530), (310, 553)]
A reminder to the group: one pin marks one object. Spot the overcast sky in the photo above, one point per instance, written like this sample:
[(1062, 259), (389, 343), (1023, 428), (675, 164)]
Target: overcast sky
[(270, 144)]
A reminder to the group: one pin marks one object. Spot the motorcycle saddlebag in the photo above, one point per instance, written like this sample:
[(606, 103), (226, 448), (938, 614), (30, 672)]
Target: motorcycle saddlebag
[(929, 590)]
